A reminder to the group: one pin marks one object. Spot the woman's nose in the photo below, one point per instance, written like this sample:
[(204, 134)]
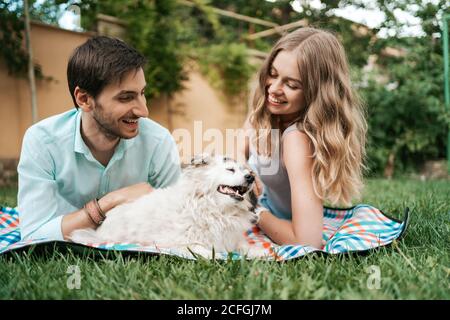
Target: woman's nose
[(275, 87)]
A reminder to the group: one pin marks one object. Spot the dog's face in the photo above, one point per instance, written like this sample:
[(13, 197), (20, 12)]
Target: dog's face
[(222, 178)]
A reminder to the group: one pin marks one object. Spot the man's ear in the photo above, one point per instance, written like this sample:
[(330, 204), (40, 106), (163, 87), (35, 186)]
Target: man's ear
[(83, 99)]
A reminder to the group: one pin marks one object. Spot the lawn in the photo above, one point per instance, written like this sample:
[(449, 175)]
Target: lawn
[(418, 267)]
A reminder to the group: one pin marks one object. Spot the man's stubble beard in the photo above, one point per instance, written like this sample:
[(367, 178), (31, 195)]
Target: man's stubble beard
[(104, 125)]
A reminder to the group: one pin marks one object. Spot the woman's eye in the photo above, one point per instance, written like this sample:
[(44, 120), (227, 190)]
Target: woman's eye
[(293, 86), (272, 73), (231, 170)]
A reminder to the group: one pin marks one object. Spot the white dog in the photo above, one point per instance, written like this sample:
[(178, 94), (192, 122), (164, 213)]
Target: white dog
[(209, 207)]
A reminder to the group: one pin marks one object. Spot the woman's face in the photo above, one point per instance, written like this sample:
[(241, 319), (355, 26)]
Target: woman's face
[(284, 91)]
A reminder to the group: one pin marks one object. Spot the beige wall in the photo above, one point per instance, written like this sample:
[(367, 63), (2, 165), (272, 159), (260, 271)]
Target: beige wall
[(204, 107), (9, 114), (52, 48)]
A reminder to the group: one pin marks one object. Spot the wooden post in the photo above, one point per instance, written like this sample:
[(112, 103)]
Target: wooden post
[(278, 29), (233, 15), (31, 76)]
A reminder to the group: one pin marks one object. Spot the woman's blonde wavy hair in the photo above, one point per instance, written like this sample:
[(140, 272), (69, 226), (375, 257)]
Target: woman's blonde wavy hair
[(333, 117)]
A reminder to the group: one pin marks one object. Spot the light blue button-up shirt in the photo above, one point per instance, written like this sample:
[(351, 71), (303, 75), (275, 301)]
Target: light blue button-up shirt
[(58, 173)]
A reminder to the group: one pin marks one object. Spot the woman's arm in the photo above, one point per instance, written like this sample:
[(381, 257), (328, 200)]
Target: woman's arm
[(307, 208), (243, 150)]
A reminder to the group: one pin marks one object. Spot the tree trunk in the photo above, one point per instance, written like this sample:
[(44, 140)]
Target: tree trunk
[(31, 77)]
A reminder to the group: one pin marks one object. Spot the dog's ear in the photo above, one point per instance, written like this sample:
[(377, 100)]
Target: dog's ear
[(200, 160)]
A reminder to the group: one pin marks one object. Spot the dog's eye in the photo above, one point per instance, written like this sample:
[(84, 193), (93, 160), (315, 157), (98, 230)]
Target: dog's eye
[(231, 169)]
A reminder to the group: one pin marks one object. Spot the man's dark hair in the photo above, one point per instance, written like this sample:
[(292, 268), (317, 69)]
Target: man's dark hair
[(100, 61)]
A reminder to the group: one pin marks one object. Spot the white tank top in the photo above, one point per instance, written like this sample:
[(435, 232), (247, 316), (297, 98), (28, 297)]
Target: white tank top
[(274, 176)]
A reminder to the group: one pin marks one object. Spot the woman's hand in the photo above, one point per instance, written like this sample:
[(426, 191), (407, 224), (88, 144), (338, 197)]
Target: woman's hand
[(258, 187)]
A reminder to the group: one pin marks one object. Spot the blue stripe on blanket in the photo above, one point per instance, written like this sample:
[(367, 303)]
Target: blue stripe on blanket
[(359, 228)]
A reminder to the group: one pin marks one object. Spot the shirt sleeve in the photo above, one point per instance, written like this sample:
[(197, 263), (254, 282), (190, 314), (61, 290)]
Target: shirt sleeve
[(38, 190), (165, 164)]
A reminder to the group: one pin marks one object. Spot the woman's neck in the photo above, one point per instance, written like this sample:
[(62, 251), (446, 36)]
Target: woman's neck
[(285, 120)]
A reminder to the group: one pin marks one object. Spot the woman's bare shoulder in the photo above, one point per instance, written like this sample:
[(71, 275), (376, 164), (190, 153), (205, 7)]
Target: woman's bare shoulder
[(296, 146)]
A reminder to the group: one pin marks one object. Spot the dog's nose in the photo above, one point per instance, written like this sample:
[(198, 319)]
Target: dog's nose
[(249, 178)]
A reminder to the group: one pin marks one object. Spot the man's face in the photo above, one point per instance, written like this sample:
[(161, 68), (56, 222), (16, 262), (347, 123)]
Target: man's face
[(119, 106)]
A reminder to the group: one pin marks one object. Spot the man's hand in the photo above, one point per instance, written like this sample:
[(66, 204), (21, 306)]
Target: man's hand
[(124, 195), (80, 220)]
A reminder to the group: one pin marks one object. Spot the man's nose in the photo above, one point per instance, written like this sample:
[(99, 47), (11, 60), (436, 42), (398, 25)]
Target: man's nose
[(141, 109), (249, 178)]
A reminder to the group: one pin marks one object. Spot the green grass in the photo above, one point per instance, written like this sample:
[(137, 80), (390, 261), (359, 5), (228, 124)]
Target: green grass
[(417, 268)]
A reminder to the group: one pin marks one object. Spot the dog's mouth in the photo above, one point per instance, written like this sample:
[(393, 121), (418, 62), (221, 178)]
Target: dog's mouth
[(236, 192)]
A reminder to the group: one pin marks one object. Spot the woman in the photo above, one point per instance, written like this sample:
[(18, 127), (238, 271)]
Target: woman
[(307, 136)]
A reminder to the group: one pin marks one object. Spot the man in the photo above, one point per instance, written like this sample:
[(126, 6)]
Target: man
[(76, 166)]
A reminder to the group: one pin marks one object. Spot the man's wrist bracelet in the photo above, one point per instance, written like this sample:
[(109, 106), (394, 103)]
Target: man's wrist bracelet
[(99, 209), (88, 214), (95, 213)]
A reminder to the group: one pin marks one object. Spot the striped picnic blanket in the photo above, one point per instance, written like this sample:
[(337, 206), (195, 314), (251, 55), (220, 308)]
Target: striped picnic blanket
[(360, 228)]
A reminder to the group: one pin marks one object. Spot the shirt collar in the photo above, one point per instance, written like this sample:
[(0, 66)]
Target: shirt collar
[(80, 146)]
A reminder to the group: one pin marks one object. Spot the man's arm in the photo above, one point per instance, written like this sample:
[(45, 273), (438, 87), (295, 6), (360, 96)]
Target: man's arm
[(38, 194), (37, 191), (39, 215), (80, 219)]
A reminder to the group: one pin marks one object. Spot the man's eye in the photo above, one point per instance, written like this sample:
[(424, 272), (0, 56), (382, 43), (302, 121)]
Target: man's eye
[(231, 170), (126, 98)]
